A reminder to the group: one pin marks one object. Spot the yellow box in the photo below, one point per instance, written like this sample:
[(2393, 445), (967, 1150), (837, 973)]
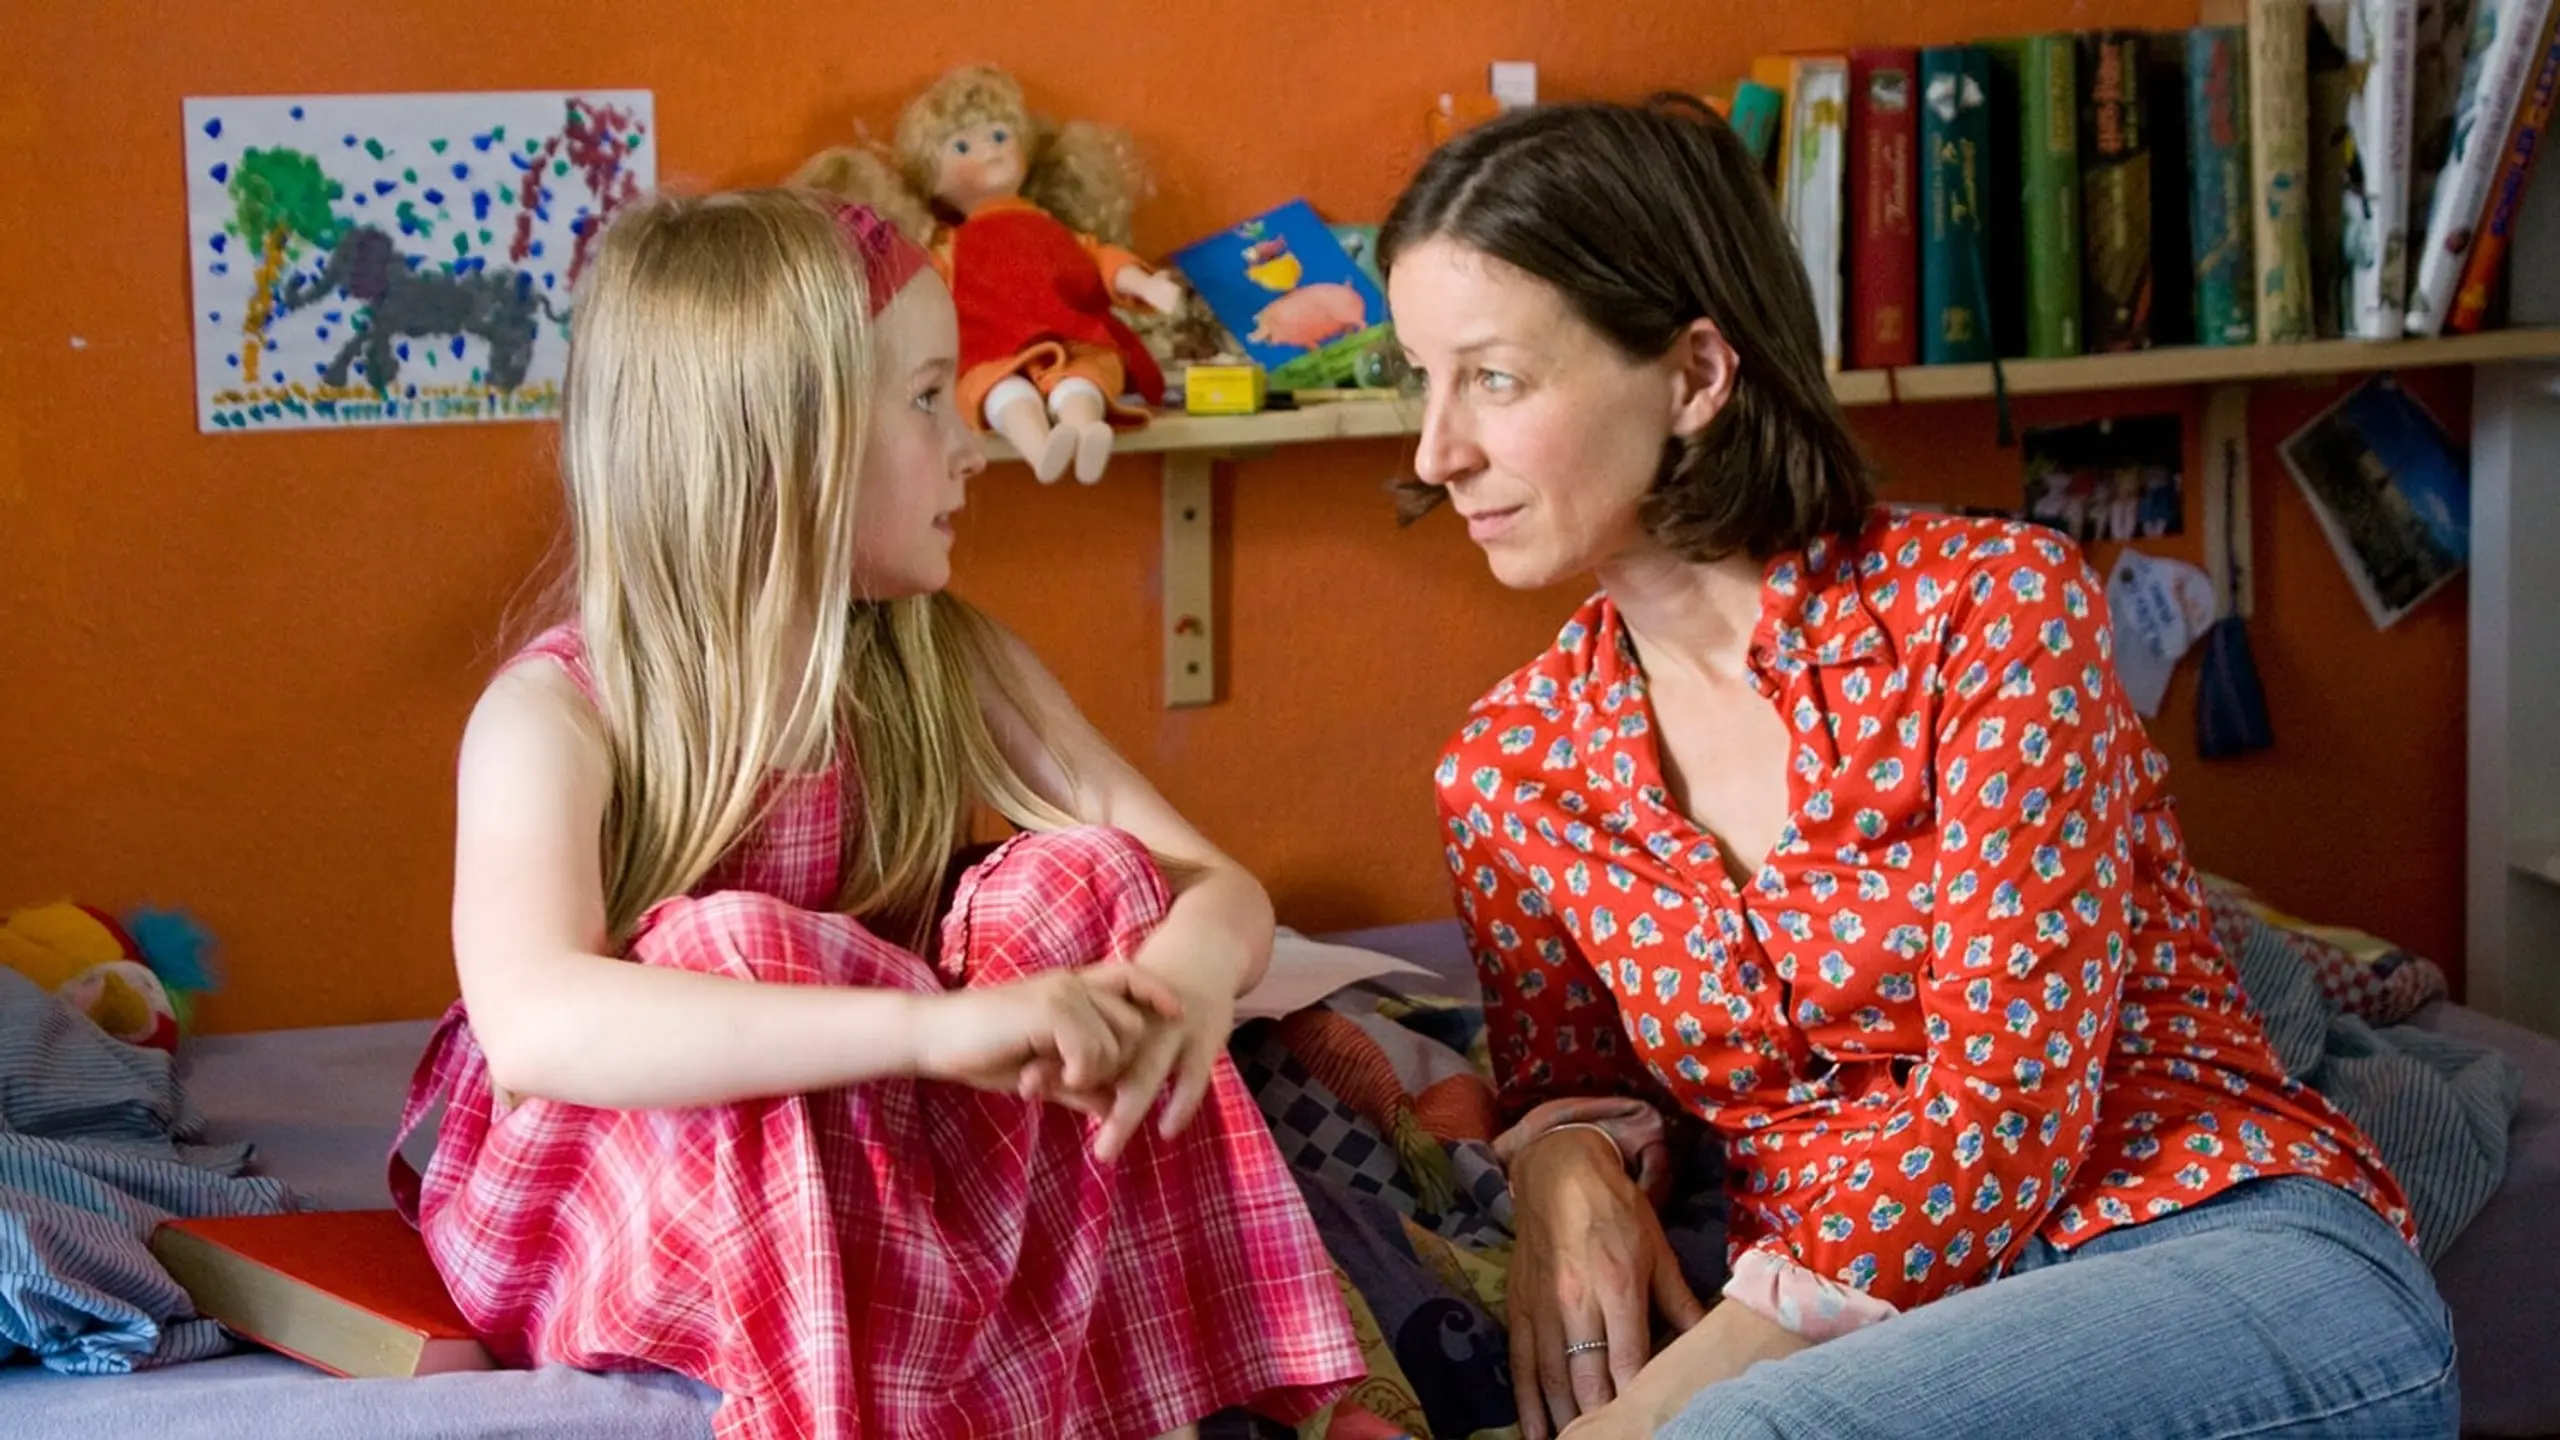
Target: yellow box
[(1224, 389)]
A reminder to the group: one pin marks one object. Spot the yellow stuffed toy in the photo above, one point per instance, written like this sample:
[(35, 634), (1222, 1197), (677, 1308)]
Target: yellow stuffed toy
[(138, 991)]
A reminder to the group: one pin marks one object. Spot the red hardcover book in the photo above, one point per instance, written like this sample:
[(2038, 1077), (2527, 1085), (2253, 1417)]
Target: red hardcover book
[(1884, 235), (351, 1291)]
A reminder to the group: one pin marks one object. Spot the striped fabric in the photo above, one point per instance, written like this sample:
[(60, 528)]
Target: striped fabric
[(94, 1153), (2436, 1106)]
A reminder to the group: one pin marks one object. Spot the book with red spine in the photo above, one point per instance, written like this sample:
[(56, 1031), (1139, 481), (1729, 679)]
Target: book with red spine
[(1884, 233)]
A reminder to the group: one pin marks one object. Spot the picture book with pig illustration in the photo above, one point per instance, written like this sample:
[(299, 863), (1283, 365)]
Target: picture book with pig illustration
[(1296, 301)]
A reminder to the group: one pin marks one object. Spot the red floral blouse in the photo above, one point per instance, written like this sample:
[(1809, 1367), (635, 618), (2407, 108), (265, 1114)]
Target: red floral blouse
[(1971, 997)]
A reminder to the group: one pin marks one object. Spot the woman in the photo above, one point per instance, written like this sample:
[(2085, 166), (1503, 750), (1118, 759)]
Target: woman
[(1830, 827)]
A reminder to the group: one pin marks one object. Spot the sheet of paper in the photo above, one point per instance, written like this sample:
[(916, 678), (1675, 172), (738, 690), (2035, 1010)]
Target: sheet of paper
[(1304, 971)]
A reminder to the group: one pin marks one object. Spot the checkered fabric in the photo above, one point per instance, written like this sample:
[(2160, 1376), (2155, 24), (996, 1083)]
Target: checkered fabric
[(2370, 979), (1325, 1137)]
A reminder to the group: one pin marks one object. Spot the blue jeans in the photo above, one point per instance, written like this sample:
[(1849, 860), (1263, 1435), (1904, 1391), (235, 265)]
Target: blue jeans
[(2280, 1308)]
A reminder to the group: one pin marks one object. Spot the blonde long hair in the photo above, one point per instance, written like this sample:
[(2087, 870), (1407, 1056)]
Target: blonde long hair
[(714, 423)]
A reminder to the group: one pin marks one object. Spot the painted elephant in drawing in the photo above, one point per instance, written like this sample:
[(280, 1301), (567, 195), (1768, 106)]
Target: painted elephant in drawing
[(499, 306)]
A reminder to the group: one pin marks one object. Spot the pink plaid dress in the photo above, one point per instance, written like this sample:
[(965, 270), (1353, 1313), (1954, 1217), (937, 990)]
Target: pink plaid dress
[(903, 1257)]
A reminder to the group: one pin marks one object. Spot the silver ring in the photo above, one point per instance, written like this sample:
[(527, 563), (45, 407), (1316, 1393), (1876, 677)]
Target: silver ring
[(1585, 1347)]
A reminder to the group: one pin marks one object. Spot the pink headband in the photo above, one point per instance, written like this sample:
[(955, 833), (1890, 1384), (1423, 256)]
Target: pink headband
[(889, 258)]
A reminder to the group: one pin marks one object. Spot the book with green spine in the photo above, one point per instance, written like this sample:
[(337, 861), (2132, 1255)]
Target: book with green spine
[(2049, 166), (2220, 202), (1754, 118), (1954, 139)]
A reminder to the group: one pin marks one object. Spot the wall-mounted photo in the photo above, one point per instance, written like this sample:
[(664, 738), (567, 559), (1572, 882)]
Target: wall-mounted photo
[(2108, 479)]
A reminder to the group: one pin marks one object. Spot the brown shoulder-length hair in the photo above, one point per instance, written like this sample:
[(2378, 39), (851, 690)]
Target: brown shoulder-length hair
[(1648, 218)]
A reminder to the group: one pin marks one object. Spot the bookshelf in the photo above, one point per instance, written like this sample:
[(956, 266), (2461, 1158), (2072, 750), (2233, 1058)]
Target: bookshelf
[(1386, 418), (2215, 365), (1227, 435), (1193, 445)]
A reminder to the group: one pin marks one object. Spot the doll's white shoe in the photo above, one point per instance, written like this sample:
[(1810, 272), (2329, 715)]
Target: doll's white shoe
[(1061, 449), (1015, 411), (1093, 449)]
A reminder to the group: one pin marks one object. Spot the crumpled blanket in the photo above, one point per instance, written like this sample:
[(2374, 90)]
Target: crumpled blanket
[(2436, 1106), (96, 1150)]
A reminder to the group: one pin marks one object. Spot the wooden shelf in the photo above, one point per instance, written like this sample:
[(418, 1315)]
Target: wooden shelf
[(1228, 434), (2205, 365), (2135, 370), (1192, 445)]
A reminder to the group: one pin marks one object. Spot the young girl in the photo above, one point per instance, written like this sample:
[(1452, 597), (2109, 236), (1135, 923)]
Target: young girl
[(710, 1106)]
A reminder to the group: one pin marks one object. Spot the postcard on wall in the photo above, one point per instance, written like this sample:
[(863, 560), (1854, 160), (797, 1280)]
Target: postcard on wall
[(2392, 492), (397, 259), (2119, 479)]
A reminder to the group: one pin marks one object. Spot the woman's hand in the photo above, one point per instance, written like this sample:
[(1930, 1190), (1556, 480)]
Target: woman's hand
[(1590, 1266), (1732, 1339), (1063, 1035), (1620, 1419)]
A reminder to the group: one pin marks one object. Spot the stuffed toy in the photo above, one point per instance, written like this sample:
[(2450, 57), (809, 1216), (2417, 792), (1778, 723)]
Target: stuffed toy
[(137, 980), (1028, 223)]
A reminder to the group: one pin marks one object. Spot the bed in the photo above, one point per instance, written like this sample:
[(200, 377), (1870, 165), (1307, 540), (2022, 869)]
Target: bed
[(319, 1104)]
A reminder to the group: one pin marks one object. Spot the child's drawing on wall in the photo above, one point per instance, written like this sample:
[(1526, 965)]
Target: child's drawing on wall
[(386, 259)]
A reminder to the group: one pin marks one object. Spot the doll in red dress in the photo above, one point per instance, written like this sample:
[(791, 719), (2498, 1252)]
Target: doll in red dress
[(1022, 218)]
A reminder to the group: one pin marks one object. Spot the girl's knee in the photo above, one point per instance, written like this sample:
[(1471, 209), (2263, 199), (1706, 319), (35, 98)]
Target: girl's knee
[(749, 935), (1053, 899), (1099, 858)]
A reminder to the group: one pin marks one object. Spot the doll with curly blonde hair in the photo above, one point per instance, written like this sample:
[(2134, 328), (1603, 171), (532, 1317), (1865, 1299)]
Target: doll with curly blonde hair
[(1029, 223)]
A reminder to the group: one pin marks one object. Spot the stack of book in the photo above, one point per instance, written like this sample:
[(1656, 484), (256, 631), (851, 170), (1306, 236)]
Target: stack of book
[(2329, 169)]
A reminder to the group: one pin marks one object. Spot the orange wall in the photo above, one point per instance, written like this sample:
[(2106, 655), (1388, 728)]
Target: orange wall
[(237, 666)]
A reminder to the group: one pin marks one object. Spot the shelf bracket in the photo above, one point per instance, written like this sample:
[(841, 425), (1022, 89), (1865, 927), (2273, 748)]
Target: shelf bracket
[(2225, 456), (1189, 604)]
